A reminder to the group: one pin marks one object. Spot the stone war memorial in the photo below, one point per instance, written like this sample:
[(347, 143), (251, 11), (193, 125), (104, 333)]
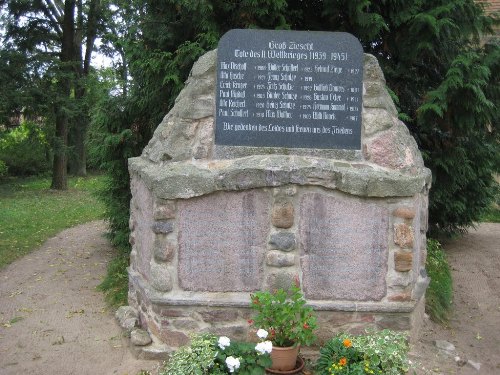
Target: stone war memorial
[(283, 156)]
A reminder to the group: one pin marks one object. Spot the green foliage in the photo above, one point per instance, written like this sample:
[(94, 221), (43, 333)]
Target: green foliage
[(31, 213), (446, 82), (3, 169), (197, 358), (205, 355), (159, 43), (338, 356), (463, 158), (25, 150), (110, 150), (492, 215), (438, 297), (376, 352), (115, 284), (285, 316), (27, 84)]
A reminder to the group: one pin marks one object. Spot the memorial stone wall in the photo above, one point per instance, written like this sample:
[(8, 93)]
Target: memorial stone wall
[(283, 156)]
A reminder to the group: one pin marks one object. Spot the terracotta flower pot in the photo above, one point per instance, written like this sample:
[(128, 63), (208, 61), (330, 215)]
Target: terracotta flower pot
[(284, 359)]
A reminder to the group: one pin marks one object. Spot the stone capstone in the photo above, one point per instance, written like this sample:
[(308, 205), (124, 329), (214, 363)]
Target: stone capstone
[(186, 180)]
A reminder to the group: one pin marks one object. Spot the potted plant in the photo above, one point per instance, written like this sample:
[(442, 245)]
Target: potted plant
[(287, 319)]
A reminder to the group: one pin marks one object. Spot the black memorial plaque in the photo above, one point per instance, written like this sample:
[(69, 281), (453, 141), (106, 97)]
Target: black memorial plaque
[(292, 89)]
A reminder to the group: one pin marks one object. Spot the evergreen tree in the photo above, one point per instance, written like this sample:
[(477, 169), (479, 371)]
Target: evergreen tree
[(60, 35), (430, 53)]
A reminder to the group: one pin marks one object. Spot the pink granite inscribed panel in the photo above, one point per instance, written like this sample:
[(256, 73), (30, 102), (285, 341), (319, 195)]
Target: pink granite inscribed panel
[(343, 247), (142, 212), (222, 241), (417, 261)]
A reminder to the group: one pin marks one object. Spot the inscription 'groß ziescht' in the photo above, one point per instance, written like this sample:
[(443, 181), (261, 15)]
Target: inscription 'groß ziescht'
[(289, 89)]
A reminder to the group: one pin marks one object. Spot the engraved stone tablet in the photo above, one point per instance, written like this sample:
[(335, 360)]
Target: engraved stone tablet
[(292, 89), (222, 241), (344, 247)]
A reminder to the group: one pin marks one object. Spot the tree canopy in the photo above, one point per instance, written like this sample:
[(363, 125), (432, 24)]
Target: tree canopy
[(443, 76), (55, 41)]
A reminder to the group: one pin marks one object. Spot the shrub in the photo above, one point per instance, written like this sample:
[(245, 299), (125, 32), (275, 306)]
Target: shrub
[(25, 150), (377, 352), (439, 294), (3, 169)]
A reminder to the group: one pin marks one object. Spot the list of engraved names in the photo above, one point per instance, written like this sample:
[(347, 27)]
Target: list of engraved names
[(289, 89)]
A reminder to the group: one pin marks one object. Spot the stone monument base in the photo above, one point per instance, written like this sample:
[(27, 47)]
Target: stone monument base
[(172, 321), (211, 223)]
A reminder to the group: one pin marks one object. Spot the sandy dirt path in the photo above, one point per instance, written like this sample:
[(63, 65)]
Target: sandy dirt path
[(474, 327), (54, 321), (52, 318)]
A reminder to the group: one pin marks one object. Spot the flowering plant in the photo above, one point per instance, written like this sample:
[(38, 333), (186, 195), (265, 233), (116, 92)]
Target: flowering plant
[(208, 354), (285, 316), (383, 352)]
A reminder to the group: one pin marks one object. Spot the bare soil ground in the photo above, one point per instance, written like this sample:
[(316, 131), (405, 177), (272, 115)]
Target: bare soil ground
[(474, 327), (52, 318), (53, 321)]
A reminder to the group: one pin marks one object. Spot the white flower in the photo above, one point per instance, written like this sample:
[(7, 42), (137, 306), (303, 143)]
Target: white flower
[(224, 342), (262, 333), (264, 347), (232, 363)]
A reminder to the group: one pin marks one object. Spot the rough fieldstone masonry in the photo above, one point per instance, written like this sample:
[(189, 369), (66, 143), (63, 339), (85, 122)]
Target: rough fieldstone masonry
[(211, 223)]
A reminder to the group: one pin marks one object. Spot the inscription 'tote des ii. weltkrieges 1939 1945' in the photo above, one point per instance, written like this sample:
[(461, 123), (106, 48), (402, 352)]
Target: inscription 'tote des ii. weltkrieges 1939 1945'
[(292, 89)]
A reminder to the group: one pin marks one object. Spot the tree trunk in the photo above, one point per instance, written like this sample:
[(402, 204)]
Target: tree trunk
[(78, 164), (78, 161), (60, 165)]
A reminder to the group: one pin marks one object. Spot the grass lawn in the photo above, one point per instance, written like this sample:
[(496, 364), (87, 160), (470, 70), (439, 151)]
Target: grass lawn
[(492, 215), (30, 212)]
